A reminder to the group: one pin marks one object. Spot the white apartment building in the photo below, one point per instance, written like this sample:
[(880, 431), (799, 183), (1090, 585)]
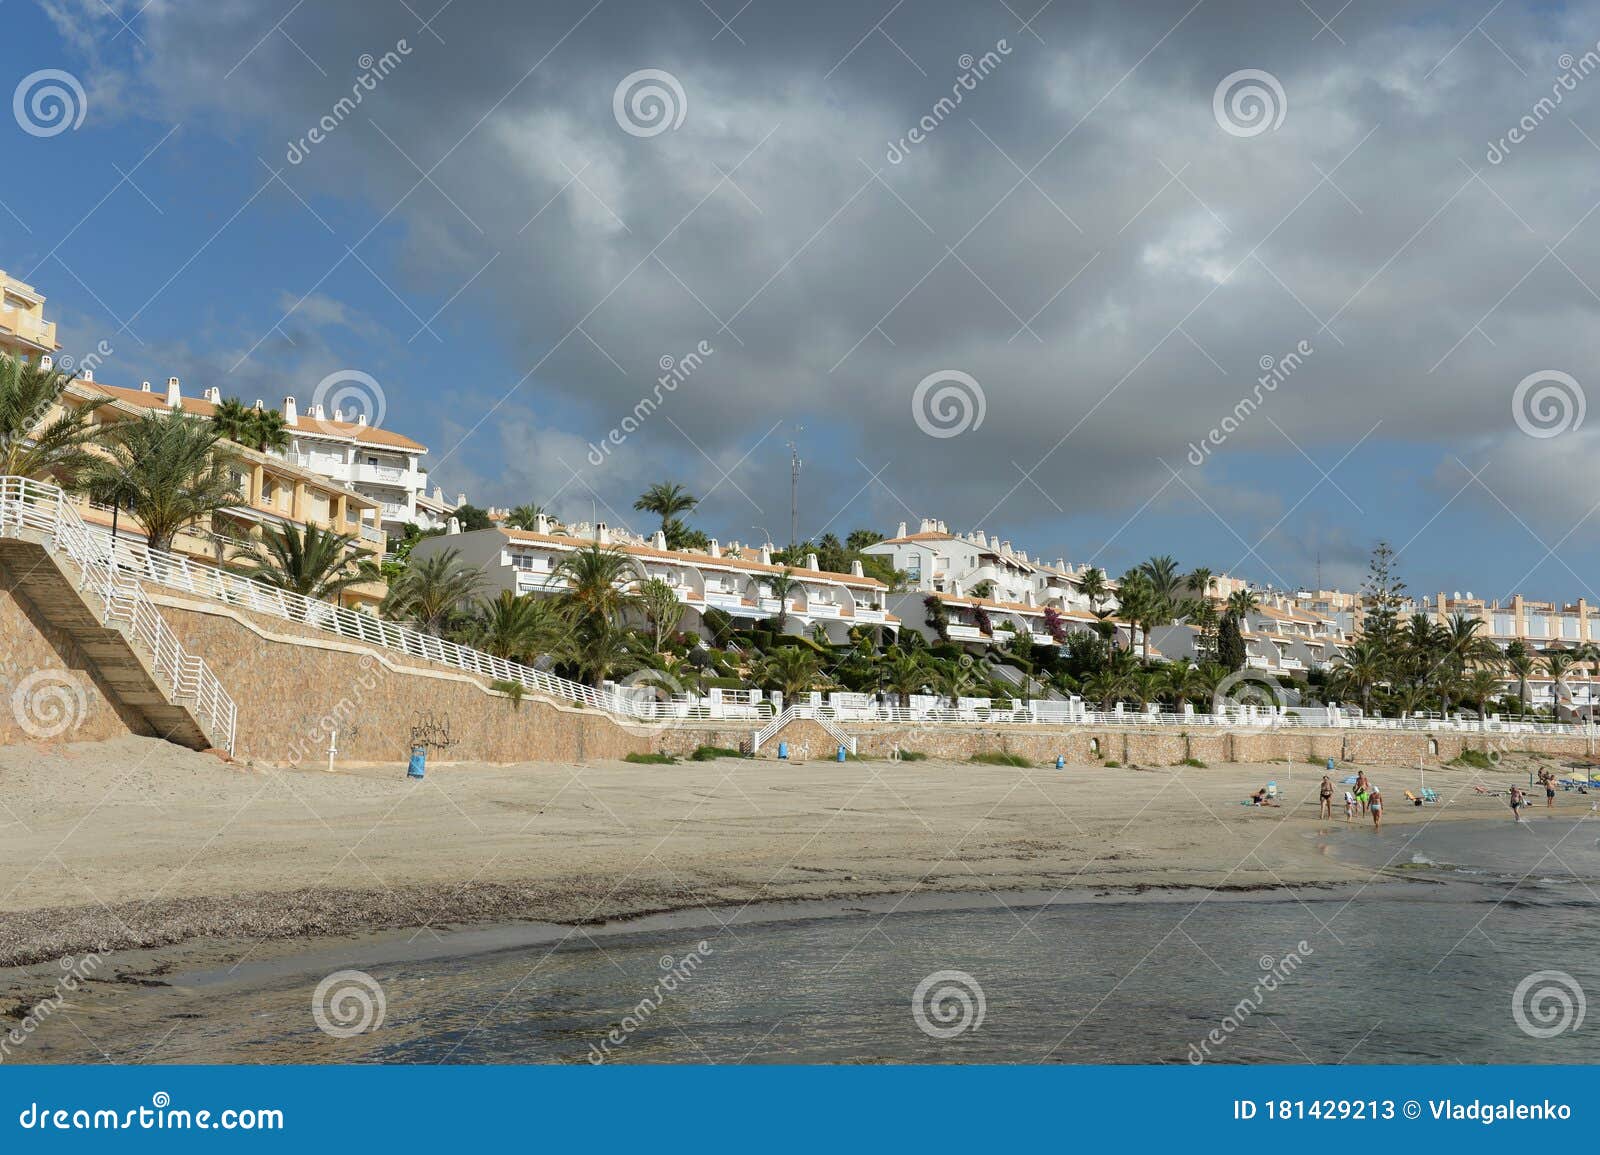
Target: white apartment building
[(378, 463), (736, 580)]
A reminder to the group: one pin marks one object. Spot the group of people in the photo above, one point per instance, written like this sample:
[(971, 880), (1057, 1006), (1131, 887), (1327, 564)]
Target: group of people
[(1365, 798), (1520, 799)]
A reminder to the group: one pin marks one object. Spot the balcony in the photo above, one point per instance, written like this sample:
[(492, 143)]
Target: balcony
[(868, 614), (384, 475), (965, 633)]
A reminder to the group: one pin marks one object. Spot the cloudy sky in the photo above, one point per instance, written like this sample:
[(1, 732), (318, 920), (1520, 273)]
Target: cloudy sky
[(1091, 254)]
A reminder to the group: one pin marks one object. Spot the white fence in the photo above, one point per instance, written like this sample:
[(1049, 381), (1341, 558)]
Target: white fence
[(44, 508)]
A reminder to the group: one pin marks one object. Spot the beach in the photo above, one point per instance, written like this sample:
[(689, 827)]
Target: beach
[(134, 844)]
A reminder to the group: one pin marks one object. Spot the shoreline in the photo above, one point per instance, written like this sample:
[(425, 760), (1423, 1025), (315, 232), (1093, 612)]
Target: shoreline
[(136, 848)]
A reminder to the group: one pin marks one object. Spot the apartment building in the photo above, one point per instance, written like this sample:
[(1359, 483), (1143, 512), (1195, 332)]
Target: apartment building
[(272, 490), (736, 579), (24, 332)]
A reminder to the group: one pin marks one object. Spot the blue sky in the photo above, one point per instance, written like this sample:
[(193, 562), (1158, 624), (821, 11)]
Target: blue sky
[(1113, 305)]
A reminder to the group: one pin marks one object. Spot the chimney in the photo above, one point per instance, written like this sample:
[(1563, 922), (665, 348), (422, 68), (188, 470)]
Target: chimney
[(716, 550), (927, 525), (258, 405), (213, 395), (900, 530), (658, 540), (174, 394), (601, 533), (541, 524), (316, 412), (855, 569), (87, 375), (291, 415), (46, 362), (361, 418), (943, 528), (454, 527), (1005, 547), (766, 554), (811, 561), (144, 386)]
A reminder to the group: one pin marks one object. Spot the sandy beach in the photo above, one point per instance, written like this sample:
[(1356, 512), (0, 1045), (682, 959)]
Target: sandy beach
[(137, 844)]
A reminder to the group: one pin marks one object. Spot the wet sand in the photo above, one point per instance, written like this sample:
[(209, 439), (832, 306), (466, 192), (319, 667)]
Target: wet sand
[(135, 845)]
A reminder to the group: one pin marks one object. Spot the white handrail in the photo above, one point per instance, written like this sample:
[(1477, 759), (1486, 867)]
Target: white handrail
[(813, 713), (44, 507)]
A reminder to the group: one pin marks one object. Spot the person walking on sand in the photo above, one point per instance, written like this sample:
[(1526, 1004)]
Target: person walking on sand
[(1363, 789), (1327, 798), (1518, 801), (1547, 779), (1375, 802)]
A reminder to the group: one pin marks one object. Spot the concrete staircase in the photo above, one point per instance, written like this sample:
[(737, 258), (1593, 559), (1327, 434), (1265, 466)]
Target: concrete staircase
[(48, 558)]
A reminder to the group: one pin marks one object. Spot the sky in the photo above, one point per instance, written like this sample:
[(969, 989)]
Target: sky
[(1251, 284)]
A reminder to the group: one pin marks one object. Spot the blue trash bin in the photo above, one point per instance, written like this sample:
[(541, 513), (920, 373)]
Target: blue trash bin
[(1060, 762), (419, 762), (783, 750), (841, 754)]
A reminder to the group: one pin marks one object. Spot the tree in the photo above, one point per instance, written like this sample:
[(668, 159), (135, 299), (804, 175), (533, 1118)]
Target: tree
[(1165, 580), (790, 670), (1230, 644), (266, 431), (517, 628), (1558, 662), (430, 591), (662, 609), (905, 674), (469, 517), (938, 618), (1382, 595), (1359, 670), (1139, 606), (1093, 586), (600, 583), (234, 419), (680, 536), (860, 539), (170, 470), (318, 563), (783, 585), (1524, 665), (31, 445), (1479, 688), (666, 499), (525, 517), (1199, 582), (599, 648)]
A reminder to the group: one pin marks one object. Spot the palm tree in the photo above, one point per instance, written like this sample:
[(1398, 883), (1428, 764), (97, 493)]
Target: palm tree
[(1164, 578), (30, 445), (662, 609), (516, 628), (1524, 664), (790, 670), (1199, 581), (1241, 603), (169, 468), (525, 517), (430, 590), (1478, 689), (600, 581), (782, 585), (1558, 662), (1359, 670), (957, 682), (600, 648), (318, 563), (235, 421), (1093, 586), (267, 430), (1139, 606), (905, 674), (666, 499)]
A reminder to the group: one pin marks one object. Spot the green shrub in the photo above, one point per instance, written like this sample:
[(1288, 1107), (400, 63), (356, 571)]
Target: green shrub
[(707, 753), (999, 758), (1313, 760), (1475, 759), (1193, 762), (511, 689), (913, 756), (1113, 764), (651, 759)]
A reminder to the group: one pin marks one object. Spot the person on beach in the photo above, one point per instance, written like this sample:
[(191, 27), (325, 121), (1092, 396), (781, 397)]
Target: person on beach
[(1325, 792), (1363, 789), (1547, 779), (1349, 806), (1375, 802), (1518, 801), (1262, 798)]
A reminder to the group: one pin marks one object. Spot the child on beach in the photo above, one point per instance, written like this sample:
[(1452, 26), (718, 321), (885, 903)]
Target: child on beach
[(1349, 806), (1375, 802)]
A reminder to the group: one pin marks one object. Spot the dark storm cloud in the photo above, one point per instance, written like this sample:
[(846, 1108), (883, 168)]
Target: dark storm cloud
[(1079, 235)]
